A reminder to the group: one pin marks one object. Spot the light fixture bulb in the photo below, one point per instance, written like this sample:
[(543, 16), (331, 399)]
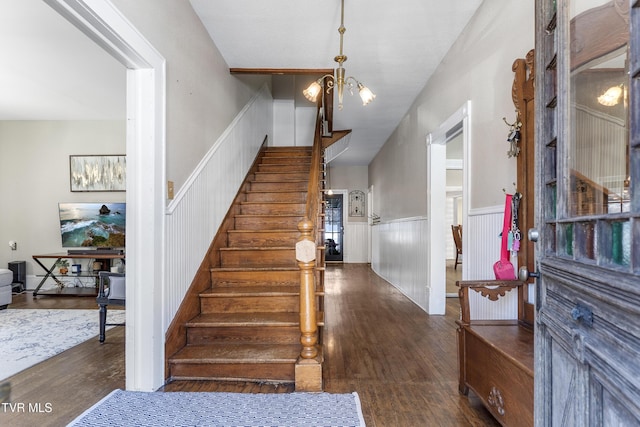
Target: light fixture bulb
[(365, 93), (312, 92), (611, 97)]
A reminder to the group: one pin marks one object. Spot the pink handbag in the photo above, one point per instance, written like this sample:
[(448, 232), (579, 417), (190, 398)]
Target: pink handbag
[(503, 269)]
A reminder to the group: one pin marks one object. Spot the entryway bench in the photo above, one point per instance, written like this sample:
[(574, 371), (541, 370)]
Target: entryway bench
[(496, 355)]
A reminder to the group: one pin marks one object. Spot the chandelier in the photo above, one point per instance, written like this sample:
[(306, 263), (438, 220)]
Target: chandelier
[(314, 89)]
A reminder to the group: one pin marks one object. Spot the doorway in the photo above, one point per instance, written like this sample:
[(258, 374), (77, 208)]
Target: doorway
[(334, 228), (438, 183), (144, 348), (453, 208)]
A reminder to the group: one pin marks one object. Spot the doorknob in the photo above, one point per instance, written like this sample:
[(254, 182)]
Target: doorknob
[(533, 234), (524, 274)]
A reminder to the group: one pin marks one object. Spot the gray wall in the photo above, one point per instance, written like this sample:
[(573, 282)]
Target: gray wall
[(34, 172), (202, 100), (350, 178), (202, 97), (477, 68)]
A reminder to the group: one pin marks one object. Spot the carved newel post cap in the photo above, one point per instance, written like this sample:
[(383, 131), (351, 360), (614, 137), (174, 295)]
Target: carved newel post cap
[(305, 226)]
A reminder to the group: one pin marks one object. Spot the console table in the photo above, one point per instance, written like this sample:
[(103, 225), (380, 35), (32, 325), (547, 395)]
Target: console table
[(72, 291)]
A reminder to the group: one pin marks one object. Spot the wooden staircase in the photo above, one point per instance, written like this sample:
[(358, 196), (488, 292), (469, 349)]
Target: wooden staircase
[(248, 328)]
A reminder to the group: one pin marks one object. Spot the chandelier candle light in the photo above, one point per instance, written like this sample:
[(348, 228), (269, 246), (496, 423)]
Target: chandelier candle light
[(314, 89)]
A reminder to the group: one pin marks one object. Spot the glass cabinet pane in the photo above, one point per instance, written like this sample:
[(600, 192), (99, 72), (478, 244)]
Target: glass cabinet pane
[(598, 151)]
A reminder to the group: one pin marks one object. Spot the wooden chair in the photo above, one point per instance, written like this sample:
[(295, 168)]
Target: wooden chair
[(111, 291), (457, 239)]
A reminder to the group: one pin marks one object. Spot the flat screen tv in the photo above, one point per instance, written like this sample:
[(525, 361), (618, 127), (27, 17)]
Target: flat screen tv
[(93, 225)]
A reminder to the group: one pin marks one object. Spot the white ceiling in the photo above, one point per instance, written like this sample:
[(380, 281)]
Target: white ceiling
[(51, 71)]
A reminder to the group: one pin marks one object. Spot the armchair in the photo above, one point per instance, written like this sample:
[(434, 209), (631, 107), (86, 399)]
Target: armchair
[(111, 291)]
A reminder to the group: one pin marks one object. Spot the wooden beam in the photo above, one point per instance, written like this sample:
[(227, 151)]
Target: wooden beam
[(282, 71), (335, 137)]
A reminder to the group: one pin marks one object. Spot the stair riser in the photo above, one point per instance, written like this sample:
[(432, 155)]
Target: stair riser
[(235, 335), (281, 176), (248, 239), (254, 304), (267, 223), (255, 278), (261, 258), (277, 372), (288, 153), (269, 167), (272, 209), (279, 186), (286, 160), (293, 196)]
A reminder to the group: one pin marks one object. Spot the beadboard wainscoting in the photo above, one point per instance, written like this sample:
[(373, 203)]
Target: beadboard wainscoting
[(399, 255), (194, 216), (481, 249), (356, 242), (481, 242)]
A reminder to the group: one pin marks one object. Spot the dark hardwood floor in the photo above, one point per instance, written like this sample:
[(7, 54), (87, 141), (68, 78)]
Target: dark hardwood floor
[(401, 361)]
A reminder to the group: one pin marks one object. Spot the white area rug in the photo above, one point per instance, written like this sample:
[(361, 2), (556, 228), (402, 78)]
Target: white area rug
[(31, 336), (135, 408)]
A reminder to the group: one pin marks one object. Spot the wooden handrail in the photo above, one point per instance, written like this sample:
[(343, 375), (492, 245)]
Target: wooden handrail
[(306, 250)]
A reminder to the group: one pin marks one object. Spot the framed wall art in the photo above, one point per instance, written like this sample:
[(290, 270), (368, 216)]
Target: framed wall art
[(98, 173), (356, 203)]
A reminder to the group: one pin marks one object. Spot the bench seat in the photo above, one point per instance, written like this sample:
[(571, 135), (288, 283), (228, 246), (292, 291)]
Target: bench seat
[(496, 357)]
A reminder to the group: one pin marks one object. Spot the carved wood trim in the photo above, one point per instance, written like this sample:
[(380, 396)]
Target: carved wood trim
[(608, 30), (493, 294), (496, 400), (282, 71)]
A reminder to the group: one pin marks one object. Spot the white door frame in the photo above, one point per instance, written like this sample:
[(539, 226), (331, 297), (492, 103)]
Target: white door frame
[(146, 105), (436, 200)]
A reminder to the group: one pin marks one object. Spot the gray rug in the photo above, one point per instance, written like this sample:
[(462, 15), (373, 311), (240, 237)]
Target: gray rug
[(31, 336), (131, 408)]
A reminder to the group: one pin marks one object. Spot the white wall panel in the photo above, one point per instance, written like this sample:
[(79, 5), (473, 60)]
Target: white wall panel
[(193, 217), (481, 250), (356, 242), (399, 255), (481, 245), (284, 122)]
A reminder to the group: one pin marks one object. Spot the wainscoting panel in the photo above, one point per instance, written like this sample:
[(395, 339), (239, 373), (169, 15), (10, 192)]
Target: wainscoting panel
[(193, 217), (399, 255), (356, 241), (481, 250)]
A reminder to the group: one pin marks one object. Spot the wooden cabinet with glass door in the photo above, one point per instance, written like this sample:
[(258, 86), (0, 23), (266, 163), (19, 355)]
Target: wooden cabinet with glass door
[(588, 213)]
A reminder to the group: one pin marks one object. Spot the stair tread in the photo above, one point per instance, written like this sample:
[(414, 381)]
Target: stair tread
[(275, 319), (280, 215), (238, 353), (272, 181), (277, 230), (276, 191), (274, 202), (245, 319), (258, 248), (263, 290), (260, 269)]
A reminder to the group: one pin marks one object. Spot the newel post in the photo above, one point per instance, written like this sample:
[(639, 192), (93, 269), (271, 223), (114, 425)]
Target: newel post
[(308, 370), (306, 257)]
